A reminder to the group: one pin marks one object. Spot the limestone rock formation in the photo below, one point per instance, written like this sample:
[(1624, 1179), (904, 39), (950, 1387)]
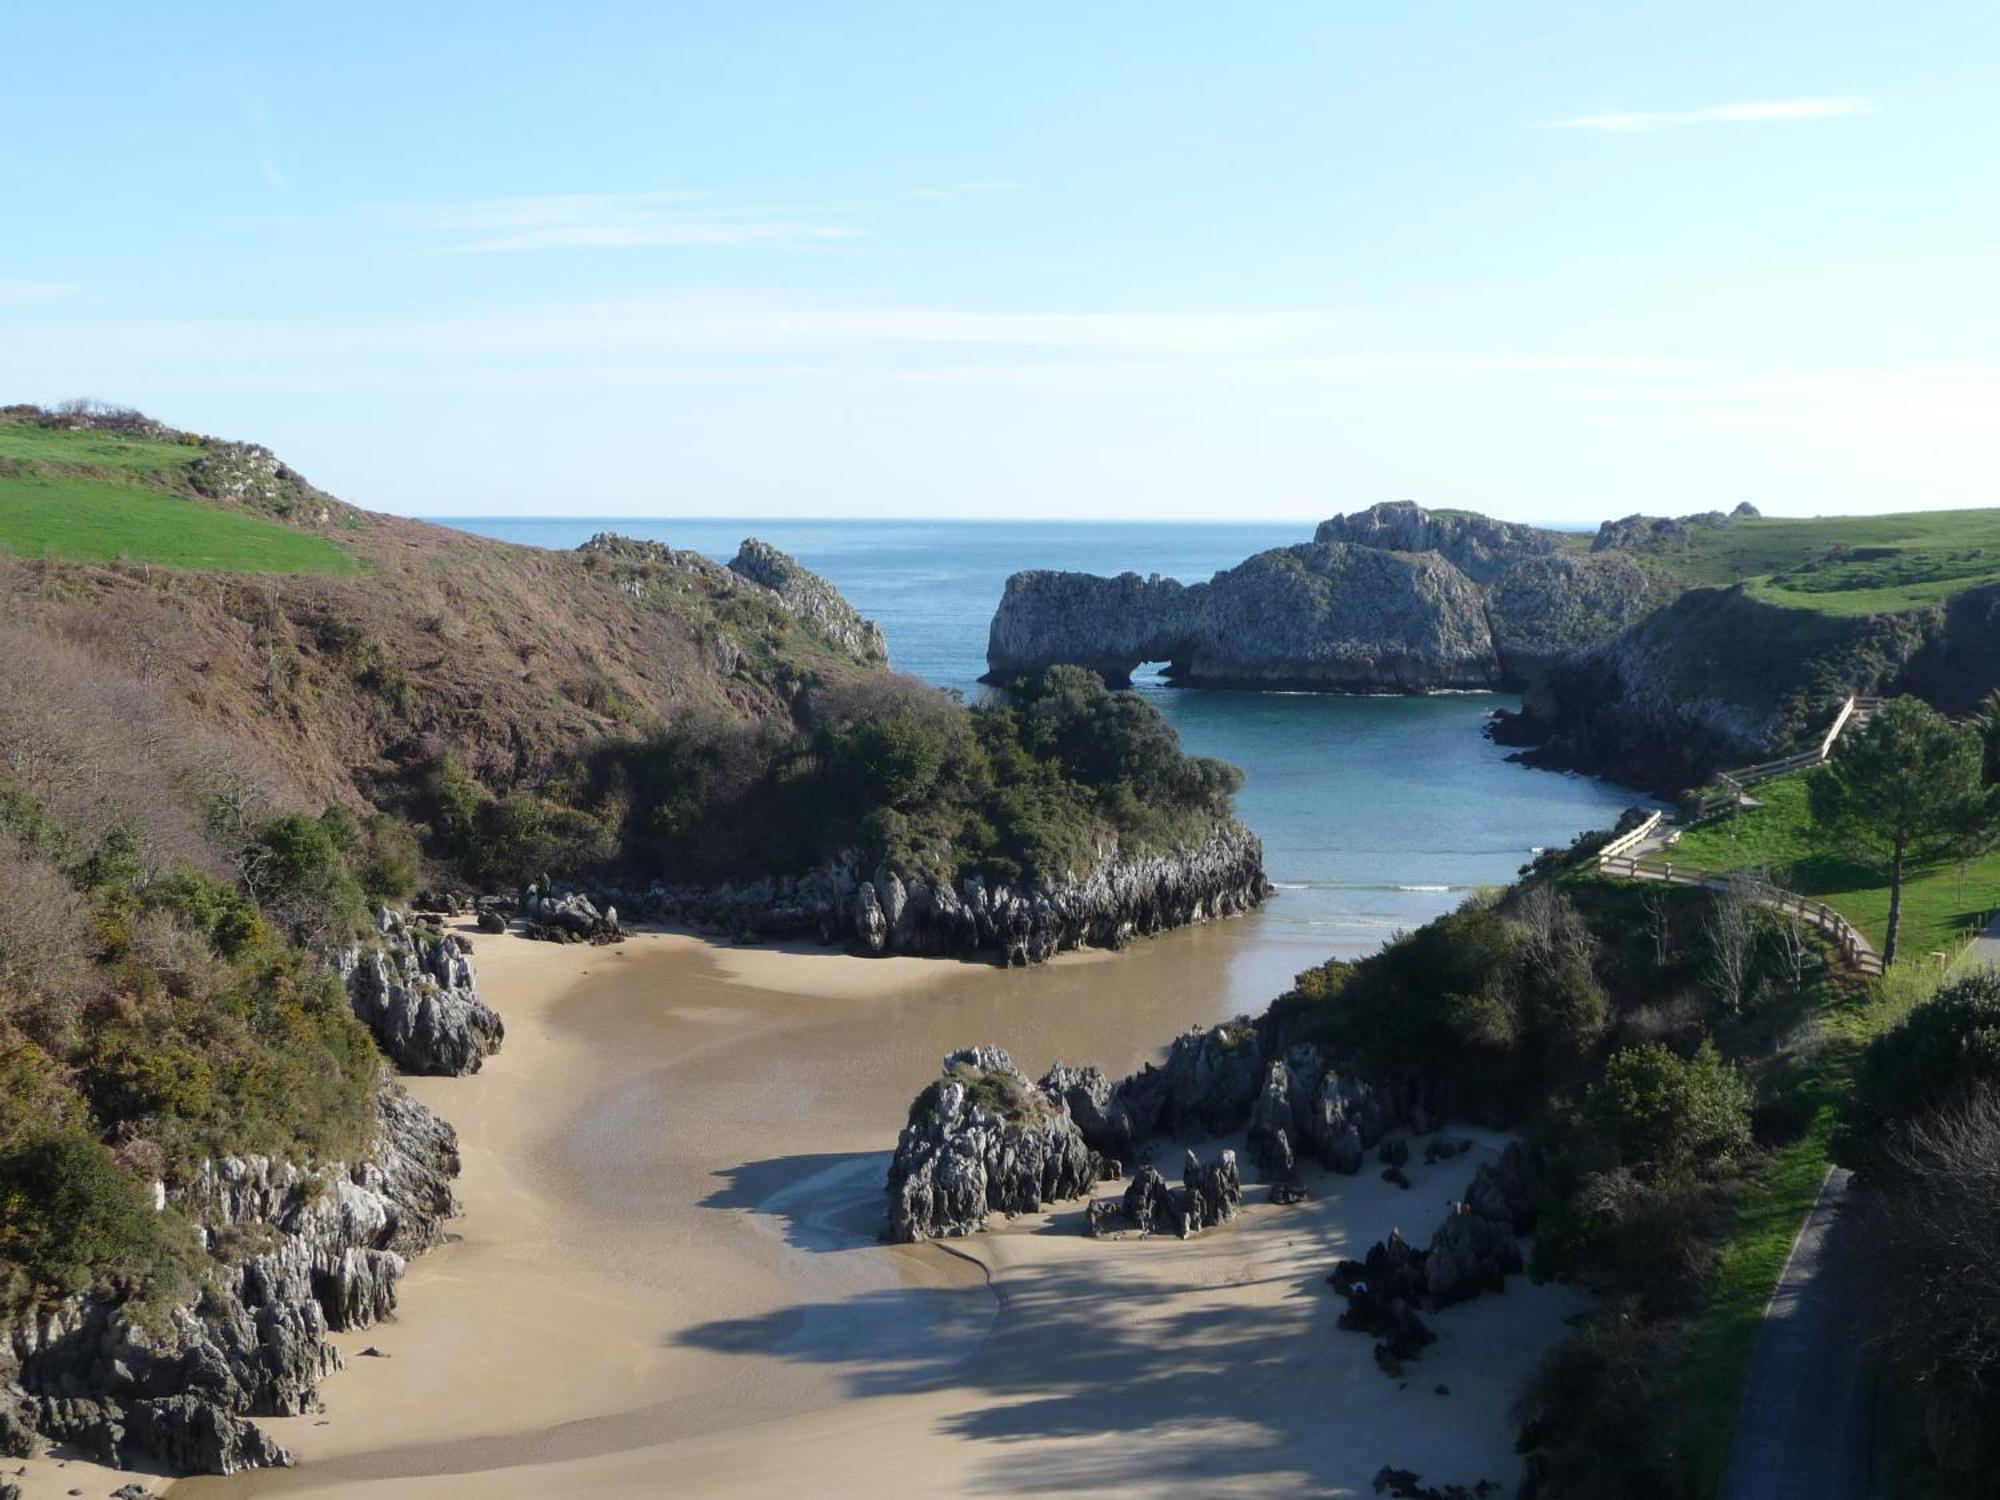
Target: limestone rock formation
[(1121, 898), (1310, 616), (1637, 533), (1473, 1251), (1211, 1193), (1480, 547), (567, 917), (414, 988), (332, 1247), (982, 1140), (812, 599), (1393, 598)]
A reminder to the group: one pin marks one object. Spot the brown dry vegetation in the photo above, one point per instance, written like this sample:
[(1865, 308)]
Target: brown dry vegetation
[(514, 657)]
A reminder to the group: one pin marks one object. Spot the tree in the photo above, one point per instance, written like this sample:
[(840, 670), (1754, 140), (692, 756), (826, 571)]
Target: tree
[(1731, 929), (1988, 720), (1945, 1049), (1933, 1219), (1901, 793)]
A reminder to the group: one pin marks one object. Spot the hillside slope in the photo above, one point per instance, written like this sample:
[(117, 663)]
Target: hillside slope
[(383, 641), (241, 722)]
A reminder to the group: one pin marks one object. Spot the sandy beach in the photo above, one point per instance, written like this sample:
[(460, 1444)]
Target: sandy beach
[(667, 1279)]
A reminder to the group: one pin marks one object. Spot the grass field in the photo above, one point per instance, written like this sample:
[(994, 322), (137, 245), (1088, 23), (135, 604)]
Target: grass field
[(1848, 565), (29, 442), (95, 520), (1943, 905)]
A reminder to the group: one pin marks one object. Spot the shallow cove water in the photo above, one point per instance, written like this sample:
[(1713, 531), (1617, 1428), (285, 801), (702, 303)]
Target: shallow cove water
[(1377, 813)]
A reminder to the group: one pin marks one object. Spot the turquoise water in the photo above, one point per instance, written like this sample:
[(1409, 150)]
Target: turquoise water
[(1377, 814)]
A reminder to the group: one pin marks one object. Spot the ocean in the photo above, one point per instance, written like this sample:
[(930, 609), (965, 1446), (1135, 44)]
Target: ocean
[(1377, 813)]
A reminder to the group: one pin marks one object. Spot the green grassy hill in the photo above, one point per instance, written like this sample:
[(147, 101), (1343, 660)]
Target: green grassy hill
[(86, 495), (1846, 565), (1944, 905)]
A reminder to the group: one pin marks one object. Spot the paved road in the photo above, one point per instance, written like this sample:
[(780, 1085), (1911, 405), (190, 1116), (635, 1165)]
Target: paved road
[(1807, 1422), (1986, 949)]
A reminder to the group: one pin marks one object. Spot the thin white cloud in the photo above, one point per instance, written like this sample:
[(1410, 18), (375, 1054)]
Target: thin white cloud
[(953, 190), (608, 221), (273, 173), (673, 327), (1751, 112), (19, 292)]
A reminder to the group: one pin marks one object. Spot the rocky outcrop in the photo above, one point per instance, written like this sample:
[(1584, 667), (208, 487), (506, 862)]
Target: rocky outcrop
[(1546, 608), (1395, 598), (1663, 533), (328, 1249), (1211, 1193), (812, 599), (1121, 898), (1315, 616), (1480, 547), (760, 572), (568, 917), (1473, 1251), (413, 986), (1305, 1108), (983, 1140)]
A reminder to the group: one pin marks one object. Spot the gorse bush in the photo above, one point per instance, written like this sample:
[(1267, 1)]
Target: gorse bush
[(71, 1218)]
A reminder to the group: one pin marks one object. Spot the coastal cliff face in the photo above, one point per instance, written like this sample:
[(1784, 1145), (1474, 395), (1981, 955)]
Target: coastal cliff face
[(1720, 677), (1121, 898), (1395, 598), (299, 1252), (1312, 616)]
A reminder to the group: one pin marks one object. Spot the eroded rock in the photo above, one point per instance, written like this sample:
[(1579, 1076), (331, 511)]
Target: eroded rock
[(415, 989)]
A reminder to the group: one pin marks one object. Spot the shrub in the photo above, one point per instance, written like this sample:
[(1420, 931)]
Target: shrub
[(1934, 1057), (1590, 1419), (1932, 1224), (301, 876), (1663, 1115), (72, 1218), (389, 862)]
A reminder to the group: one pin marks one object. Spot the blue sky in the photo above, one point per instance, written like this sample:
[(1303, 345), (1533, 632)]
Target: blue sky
[(1555, 261)]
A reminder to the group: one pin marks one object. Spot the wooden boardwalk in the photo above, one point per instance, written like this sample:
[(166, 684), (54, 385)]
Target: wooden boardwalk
[(1646, 851)]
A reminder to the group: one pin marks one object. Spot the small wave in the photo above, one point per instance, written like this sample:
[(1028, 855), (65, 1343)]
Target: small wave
[(1362, 885)]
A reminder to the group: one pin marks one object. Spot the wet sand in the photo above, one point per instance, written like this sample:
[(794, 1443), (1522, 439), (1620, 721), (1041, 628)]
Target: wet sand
[(667, 1279)]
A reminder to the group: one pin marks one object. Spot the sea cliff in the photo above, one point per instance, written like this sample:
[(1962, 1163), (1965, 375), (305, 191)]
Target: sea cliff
[(1393, 599)]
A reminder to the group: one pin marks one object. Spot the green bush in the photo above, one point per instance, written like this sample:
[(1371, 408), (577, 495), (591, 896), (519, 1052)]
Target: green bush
[(1029, 789), (71, 1218), (221, 914), (1932, 1058), (301, 875), (1663, 1115)]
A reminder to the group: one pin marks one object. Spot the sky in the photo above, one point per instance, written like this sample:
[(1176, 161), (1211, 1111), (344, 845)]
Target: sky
[(1152, 260)]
